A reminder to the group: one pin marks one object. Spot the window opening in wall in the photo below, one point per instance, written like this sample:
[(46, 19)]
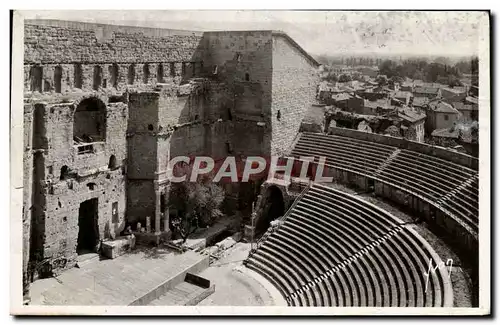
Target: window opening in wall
[(86, 148), (89, 124), (229, 147), (64, 173), (36, 73), (57, 79), (97, 77), (46, 85), (50, 170), (183, 69), (112, 162), (150, 127), (247, 76), (77, 75), (114, 212), (145, 73), (172, 69), (445, 117), (131, 74), (214, 69), (91, 186), (159, 73), (104, 83), (113, 73), (278, 115)]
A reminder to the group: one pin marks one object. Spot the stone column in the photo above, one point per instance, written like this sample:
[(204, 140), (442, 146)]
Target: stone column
[(157, 211), (166, 213)]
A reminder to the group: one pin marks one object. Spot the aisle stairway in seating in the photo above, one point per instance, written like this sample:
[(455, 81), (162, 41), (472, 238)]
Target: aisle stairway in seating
[(335, 249)]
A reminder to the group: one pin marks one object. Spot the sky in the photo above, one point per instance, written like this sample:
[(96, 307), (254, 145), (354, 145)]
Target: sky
[(450, 33)]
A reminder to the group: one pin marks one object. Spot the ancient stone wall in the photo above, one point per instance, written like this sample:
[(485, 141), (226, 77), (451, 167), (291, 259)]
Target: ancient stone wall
[(294, 81), (68, 42), (182, 93), (61, 57), (243, 60), (63, 178), (27, 188)]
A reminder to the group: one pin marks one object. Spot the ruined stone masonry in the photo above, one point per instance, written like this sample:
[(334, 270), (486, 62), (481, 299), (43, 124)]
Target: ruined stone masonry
[(106, 108)]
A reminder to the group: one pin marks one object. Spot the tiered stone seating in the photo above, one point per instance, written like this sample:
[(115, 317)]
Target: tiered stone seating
[(362, 157), (438, 181), (450, 187), (335, 249)]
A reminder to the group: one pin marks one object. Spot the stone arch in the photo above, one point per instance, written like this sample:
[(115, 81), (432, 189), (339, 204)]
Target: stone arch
[(36, 75), (273, 207), (145, 73), (113, 72), (77, 75), (159, 73), (89, 120), (131, 74), (64, 173), (97, 80), (112, 162), (58, 72)]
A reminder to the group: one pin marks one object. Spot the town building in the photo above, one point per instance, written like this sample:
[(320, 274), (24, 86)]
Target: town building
[(440, 115), (412, 124), (429, 92), (454, 94), (406, 86), (470, 112), (402, 96)]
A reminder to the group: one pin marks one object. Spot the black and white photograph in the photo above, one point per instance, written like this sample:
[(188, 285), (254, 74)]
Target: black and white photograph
[(326, 162)]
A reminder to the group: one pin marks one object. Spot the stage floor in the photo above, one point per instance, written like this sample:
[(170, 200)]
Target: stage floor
[(120, 281)]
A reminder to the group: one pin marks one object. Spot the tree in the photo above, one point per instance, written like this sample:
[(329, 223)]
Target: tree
[(345, 78), (198, 205), (453, 81), (382, 80), (331, 77), (387, 68)]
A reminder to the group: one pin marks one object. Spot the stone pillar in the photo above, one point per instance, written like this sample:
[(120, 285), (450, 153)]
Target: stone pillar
[(148, 224), (166, 213), (157, 211)]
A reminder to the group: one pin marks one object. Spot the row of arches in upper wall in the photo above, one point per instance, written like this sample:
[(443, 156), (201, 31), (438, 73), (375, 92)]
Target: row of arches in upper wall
[(37, 81)]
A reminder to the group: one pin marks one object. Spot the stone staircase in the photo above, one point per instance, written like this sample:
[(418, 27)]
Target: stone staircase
[(456, 190), (386, 163), (184, 294)]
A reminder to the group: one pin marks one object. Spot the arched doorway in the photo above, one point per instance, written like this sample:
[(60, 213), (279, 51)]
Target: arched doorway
[(274, 207)]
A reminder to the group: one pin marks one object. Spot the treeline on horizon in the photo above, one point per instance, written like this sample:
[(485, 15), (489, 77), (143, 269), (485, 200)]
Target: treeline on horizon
[(440, 69)]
